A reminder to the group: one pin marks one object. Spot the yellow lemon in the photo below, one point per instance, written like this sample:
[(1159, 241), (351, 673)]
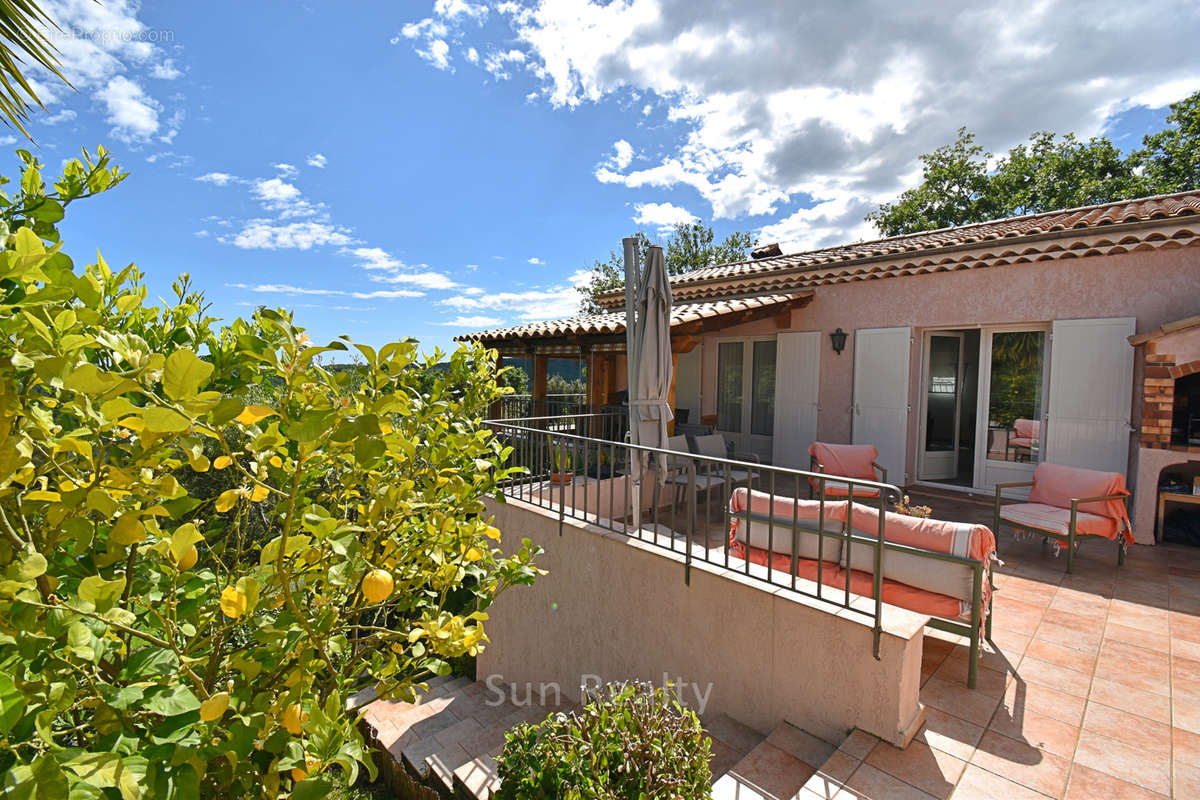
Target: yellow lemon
[(378, 585), (189, 558), (214, 707), (294, 718), (233, 602)]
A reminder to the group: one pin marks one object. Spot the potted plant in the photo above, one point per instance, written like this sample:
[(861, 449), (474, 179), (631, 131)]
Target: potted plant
[(906, 507), (560, 463)]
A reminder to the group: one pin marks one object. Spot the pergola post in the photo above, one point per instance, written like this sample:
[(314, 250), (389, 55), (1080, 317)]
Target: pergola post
[(538, 390)]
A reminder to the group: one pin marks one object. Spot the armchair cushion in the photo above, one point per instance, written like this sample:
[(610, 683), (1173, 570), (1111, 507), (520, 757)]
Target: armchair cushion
[(1057, 485), (848, 460), (1057, 520), (1027, 430)]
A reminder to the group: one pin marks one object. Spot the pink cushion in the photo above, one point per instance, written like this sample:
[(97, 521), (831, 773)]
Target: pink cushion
[(847, 460), (1058, 520), (1018, 442), (1057, 485), (1028, 429)]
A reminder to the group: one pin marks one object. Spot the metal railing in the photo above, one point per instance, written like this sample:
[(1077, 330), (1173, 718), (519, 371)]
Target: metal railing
[(521, 406), (567, 465)]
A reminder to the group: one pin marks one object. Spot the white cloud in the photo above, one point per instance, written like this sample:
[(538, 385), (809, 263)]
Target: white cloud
[(286, 170), (425, 280), (65, 115), (665, 215), (7, 140), (477, 321), (622, 155), (202, 234), (217, 178), (471, 267), (450, 9), (316, 160), (497, 63), (781, 106), (284, 198), (535, 304), (265, 234), (132, 113), (104, 50), (536, 260), (166, 71), (285, 288), (387, 269)]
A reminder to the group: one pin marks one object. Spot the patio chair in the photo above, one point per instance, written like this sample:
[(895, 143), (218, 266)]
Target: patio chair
[(856, 461), (1024, 438), (1068, 504), (714, 445)]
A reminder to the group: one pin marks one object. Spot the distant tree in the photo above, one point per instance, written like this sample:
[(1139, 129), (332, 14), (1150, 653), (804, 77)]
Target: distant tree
[(955, 189), (1170, 159), (516, 378), (23, 43), (1051, 173), (1048, 173), (690, 247)]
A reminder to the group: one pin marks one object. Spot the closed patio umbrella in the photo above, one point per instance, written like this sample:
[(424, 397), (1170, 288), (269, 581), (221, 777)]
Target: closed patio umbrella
[(649, 362)]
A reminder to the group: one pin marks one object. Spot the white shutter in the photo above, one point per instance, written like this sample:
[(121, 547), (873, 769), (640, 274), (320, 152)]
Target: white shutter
[(1091, 385), (797, 382), (881, 395)]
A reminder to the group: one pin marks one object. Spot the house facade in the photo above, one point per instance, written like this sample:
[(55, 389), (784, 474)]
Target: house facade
[(965, 355)]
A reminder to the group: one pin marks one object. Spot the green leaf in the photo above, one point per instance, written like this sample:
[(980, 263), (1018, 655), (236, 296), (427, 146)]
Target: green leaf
[(32, 566), (99, 592), (227, 409), (12, 703), (102, 770), (51, 782), (184, 374), (150, 662), (90, 379), (170, 701), (312, 789), (164, 420)]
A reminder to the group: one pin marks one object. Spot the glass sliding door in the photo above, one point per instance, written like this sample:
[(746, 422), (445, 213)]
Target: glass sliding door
[(762, 389), (729, 386), (943, 405), (746, 393), (1012, 401)]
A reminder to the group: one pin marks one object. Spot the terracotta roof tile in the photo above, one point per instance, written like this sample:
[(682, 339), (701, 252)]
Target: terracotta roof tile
[(613, 323), (840, 258)]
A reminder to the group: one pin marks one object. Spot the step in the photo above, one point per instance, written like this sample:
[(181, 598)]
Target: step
[(731, 741), (451, 735), (777, 768), (833, 774)]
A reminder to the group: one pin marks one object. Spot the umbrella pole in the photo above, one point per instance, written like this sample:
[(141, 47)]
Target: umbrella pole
[(630, 245)]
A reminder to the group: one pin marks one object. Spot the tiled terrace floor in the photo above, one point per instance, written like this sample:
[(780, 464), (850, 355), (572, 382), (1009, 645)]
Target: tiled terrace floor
[(1091, 689)]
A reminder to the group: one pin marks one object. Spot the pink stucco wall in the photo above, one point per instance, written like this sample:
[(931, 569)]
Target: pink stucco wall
[(1156, 287)]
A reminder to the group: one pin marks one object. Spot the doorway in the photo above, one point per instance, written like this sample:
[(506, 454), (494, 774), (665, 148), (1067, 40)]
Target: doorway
[(950, 392), (746, 393)]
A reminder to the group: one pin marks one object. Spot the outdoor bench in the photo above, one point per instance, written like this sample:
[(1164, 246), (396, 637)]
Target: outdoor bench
[(1069, 504), (941, 569)]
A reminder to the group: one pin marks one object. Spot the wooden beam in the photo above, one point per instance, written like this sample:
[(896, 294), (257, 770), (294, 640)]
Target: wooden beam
[(783, 321), (538, 390), (684, 344)]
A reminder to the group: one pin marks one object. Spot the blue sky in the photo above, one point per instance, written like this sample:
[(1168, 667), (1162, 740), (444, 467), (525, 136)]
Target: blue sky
[(427, 168)]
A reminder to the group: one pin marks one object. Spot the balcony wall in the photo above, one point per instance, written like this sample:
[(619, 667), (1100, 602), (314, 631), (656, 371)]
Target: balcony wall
[(619, 608)]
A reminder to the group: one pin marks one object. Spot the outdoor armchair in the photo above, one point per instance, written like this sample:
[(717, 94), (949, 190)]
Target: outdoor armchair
[(856, 461), (1068, 504)]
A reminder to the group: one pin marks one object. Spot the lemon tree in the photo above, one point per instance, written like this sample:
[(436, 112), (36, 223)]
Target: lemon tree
[(209, 542)]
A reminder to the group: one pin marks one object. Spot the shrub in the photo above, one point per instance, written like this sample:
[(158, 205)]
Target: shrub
[(208, 542), (632, 741)]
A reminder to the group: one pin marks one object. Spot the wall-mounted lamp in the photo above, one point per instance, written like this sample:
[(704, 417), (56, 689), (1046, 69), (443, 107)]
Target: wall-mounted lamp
[(839, 340)]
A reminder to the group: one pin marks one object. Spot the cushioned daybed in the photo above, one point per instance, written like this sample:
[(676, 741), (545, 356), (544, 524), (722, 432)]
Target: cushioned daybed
[(932, 567)]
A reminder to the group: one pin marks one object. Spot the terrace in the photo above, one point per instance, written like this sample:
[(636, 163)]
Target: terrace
[(1088, 685)]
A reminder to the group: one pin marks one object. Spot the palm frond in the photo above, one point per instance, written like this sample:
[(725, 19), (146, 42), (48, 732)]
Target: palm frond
[(24, 42)]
